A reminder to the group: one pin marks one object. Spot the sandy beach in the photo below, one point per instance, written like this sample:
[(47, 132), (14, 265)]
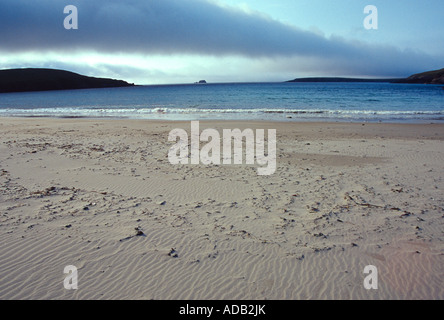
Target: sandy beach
[(102, 196)]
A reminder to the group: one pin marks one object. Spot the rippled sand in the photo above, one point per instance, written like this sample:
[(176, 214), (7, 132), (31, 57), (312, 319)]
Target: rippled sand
[(101, 195)]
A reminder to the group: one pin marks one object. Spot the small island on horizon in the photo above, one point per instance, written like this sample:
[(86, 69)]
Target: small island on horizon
[(41, 79)]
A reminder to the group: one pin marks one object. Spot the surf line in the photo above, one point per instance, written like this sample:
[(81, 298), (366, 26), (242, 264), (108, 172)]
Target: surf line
[(210, 153)]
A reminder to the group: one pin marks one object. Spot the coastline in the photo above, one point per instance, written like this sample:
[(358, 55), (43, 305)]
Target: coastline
[(344, 195)]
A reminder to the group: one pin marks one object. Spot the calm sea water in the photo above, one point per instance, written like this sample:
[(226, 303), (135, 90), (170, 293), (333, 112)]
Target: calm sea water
[(257, 101)]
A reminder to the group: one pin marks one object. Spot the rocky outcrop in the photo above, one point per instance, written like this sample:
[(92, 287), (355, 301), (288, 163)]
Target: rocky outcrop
[(36, 79), (429, 77)]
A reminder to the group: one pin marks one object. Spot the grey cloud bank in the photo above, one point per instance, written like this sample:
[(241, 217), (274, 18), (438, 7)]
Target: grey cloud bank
[(196, 27)]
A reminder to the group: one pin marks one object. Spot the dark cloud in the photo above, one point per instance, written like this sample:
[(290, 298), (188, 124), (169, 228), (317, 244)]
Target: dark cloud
[(157, 26), (188, 27)]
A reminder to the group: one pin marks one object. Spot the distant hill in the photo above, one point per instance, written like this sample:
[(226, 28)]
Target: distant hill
[(36, 79), (429, 77), (336, 79)]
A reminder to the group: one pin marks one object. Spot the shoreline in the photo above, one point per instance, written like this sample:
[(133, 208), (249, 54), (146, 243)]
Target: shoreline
[(288, 119), (101, 195), (421, 130)]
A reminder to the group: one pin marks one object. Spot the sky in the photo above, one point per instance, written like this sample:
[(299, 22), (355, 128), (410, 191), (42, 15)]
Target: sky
[(183, 41)]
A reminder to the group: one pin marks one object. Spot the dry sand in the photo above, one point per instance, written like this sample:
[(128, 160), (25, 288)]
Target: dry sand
[(101, 195)]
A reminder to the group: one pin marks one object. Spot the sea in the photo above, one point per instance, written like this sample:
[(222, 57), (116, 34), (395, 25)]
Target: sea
[(286, 101)]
